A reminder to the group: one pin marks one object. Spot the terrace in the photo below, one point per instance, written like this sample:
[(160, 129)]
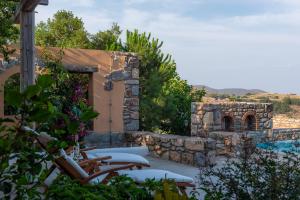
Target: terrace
[(53, 118)]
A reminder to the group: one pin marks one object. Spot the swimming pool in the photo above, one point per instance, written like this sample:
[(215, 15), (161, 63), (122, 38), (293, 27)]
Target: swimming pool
[(281, 146)]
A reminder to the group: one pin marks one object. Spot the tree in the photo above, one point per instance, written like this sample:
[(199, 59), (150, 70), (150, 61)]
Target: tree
[(8, 31), (165, 99), (64, 30), (107, 40)]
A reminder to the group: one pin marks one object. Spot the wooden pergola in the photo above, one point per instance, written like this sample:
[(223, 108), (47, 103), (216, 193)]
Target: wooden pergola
[(25, 16)]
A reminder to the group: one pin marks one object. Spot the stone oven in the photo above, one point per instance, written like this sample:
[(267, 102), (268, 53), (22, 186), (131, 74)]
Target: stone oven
[(230, 117)]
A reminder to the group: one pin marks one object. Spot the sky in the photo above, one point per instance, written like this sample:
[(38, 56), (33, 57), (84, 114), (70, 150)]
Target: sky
[(219, 43)]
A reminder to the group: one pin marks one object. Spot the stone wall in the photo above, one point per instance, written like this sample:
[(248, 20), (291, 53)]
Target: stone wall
[(131, 96), (283, 121), (286, 134), (230, 116), (232, 143), (195, 151)]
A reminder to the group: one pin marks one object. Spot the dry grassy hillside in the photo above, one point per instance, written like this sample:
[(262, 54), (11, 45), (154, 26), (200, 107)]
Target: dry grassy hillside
[(284, 104)]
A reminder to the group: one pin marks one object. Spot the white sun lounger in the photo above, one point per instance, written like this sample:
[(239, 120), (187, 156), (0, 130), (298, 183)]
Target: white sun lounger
[(138, 176), (120, 155)]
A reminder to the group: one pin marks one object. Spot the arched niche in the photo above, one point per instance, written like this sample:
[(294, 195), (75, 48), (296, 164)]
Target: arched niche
[(250, 121), (228, 123)]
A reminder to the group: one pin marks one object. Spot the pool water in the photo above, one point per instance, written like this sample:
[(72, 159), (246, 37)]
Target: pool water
[(281, 146)]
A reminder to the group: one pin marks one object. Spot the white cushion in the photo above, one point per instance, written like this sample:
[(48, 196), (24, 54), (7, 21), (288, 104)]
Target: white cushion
[(141, 175), (74, 164), (142, 150), (118, 157)]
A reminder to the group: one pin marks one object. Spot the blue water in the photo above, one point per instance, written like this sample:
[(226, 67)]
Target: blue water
[(281, 146)]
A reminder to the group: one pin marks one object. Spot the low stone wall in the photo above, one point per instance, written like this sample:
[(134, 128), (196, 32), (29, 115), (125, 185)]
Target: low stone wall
[(286, 134), (283, 121), (195, 151), (232, 143)]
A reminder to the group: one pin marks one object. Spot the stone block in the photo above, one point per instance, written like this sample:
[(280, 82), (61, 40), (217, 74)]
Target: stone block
[(211, 158), (210, 144), (196, 119), (135, 90), (119, 75), (165, 138), (131, 82), (194, 144), (194, 130), (131, 101), (165, 155), (180, 149), (200, 159), (166, 144), (187, 158), (193, 108), (177, 141), (132, 126), (135, 73), (149, 140), (175, 156)]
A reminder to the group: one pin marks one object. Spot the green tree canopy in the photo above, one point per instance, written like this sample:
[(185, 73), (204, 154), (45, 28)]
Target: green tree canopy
[(64, 30), (107, 40), (9, 33)]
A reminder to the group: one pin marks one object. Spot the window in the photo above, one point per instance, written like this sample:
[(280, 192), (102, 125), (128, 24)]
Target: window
[(250, 124), (228, 123)]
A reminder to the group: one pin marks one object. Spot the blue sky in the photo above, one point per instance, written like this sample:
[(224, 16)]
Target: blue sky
[(219, 43)]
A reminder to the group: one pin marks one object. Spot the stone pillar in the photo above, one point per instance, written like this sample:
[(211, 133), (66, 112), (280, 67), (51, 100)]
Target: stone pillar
[(131, 97)]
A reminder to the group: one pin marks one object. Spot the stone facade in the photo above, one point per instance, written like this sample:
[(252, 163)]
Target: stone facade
[(230, 116), (283, 121), (130, 75), (195, 151)]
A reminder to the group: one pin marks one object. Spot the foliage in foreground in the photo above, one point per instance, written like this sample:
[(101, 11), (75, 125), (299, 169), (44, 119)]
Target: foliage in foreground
[(8, 31), (263, 176), (119, 188), (22, 163)]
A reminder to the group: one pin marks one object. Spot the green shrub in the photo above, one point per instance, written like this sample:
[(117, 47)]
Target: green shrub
[(11, 84), (262, 176), (119, 188), (281, 107)]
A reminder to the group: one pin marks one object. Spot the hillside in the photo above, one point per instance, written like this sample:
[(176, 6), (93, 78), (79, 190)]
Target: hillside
[(230, 91)]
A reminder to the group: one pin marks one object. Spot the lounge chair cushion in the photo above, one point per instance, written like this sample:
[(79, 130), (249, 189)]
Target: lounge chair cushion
[(141, 175), (118, 157), (141, 150), (74, 164)]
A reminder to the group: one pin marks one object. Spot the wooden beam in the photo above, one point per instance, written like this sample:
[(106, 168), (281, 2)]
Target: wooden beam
[(27, 49), (81, 69), (28, 6)]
